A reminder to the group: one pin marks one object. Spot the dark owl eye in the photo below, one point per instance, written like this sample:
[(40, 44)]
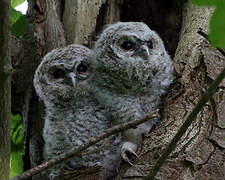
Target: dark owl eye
[(149, 44), (82, 68), (128, 45), (59, 73)]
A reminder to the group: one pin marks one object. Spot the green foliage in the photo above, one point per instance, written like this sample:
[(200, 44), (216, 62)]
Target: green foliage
[(217, 23), (206, 2), (15, 16), (17, 146), (19, 21), (15, 3)]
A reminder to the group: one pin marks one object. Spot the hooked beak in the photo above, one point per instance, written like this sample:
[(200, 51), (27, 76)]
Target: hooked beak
[(144, 52), (72, 75)]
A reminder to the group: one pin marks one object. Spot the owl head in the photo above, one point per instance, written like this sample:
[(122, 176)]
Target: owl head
[(129, 56), (63, 74)]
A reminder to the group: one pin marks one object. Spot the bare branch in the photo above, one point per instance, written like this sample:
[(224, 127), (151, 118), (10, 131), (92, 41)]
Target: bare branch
[(77, 151)]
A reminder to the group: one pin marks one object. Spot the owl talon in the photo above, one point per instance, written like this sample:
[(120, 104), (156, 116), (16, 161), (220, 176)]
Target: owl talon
[(128, 148), (127, 160)]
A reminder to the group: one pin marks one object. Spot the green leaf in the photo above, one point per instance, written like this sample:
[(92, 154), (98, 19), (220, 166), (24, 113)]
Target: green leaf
[(206, 2), (16, 164), (15, 120), (19, 22), (17, 145), (17, 134), (217, 23), (15, 16), (15, 3), (217, 27)]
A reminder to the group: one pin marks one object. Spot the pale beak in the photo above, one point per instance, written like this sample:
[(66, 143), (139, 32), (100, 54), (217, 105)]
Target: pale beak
[(144, 52), (72, 75)]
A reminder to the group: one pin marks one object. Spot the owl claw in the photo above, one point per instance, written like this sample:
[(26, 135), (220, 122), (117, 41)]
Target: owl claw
[(128, 148)]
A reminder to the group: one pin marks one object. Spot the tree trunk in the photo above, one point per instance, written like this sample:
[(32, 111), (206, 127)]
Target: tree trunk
[(200, 154), (5, 89)]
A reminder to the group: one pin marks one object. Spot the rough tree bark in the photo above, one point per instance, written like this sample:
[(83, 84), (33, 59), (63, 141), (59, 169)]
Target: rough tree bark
[(55, 23), (5, 89), (200, 153)]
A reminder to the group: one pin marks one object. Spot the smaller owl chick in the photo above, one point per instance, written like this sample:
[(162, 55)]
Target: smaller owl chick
[(62, 81), (132, 72)]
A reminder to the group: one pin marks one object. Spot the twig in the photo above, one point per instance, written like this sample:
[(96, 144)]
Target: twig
[(95, 150), (79, 149), (202, 33), (191, 117)]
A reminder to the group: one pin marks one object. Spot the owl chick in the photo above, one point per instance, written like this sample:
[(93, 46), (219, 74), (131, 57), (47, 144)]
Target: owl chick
[(132, 72), (62, 81)]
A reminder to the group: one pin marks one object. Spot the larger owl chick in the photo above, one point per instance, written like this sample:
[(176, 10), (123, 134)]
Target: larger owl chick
[(62, 81), (132, 72)]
